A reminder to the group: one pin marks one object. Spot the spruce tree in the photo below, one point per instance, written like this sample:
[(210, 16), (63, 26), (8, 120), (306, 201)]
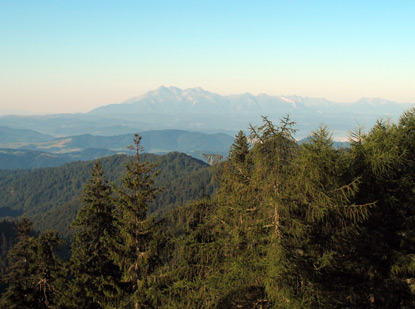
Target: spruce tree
[(96, 277), (135, 252)]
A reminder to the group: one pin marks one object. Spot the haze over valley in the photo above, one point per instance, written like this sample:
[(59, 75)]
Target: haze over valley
[(193, 121)]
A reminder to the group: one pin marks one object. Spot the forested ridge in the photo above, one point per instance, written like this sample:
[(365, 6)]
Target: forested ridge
[(50, 196), (289, 226)]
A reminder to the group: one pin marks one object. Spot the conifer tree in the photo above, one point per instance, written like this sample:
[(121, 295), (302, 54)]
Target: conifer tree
[(48, 271), (384, 160), (249, 181), (36, 275), (135, 253), (20, 291), (234, 191), (237, 217), (298, 215), (193, 274), (317, 219), (96, 277)]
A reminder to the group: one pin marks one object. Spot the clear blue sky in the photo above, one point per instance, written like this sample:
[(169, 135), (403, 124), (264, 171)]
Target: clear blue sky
[(68, 56)]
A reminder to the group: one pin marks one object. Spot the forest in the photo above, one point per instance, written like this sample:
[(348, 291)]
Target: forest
[(285, 225)]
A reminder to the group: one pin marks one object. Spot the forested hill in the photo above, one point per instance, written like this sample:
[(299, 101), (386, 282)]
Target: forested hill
[(50, 196)]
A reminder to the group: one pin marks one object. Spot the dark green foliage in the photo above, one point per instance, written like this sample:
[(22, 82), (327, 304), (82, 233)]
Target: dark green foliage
[(35, 276), (289, 226), (18, 273), (309, 253), (50, 196), (8, 239), (384, 159), (133, 250), (190, 278), (96, 278)]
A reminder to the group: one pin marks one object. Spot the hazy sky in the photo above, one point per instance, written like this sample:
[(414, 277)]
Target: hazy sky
[(72, 56)]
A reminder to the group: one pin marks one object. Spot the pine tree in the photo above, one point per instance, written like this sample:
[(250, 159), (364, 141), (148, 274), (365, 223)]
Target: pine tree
[(136, 253), (96, 277)]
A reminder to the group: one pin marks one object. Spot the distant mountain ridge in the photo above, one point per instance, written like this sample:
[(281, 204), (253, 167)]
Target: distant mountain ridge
[(10, 135), (198, 110), (172, 100)]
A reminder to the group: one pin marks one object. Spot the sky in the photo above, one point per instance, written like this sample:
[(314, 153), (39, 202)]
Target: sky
[(72, 56)]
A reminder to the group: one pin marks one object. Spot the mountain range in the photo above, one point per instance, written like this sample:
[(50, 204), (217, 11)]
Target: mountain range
[(198, 110), (172, 100)]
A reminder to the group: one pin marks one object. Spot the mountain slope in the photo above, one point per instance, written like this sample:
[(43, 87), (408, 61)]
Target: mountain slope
[(50, 196), (28, 159), (10, 135)]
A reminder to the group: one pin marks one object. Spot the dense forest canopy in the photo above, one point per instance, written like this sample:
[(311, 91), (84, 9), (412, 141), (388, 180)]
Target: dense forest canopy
[(50, 196), (289, 226)]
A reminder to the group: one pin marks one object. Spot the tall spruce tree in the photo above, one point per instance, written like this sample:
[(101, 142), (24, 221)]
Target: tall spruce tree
[(96, 277), (136, 252)]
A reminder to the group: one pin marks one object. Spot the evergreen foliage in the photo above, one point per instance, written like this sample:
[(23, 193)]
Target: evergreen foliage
[(96, 277), (35, 276), (50, 196), (383, 159), (289, 226), (134, 252)]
